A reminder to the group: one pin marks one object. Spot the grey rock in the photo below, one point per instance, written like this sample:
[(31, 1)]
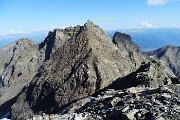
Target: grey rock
[(75, 66), (152, 74), (58, 74), (170, 55), (22, 64), (129, 110)]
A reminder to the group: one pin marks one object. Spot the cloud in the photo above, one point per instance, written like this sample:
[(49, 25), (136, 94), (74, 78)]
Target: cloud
[(52, 26), (157, 2), (173, 25), (146, 24), (15, 31)]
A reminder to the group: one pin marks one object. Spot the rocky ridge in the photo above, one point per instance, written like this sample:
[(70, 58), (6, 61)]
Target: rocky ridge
[(76, 62), (79, 67), (170, 55), (6, 54), (22, 65)]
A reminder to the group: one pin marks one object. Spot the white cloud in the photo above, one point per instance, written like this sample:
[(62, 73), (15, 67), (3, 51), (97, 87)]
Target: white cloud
[(174, 26), (15, 31), (157, 2), (146, 24), (52, 26)]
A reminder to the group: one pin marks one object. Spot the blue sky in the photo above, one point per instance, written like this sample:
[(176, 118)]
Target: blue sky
[(32, 15)]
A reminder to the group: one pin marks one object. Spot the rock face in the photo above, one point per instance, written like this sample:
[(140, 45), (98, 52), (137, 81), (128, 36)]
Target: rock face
[(22, 64), (152, 74), (81, 60), (69, 65), (169, 55), (126, 46), (124, 42), (6, 55)]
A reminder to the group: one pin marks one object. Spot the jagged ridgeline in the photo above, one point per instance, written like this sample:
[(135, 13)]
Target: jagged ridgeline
[(70, 64), (170, 55)]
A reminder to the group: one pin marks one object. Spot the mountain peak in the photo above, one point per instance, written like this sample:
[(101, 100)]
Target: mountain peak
[(89, 24), (125, 41)]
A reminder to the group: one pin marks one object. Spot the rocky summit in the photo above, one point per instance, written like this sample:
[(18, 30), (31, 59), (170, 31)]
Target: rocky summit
[(80, 73)]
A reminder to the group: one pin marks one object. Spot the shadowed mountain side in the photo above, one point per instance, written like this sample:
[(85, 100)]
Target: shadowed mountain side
[(5, 108), (20, 68), (151, 74), (169, 55), (79, 66)]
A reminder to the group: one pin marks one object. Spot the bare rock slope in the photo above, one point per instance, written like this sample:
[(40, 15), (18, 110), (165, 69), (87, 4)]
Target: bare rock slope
[(162, 103), (22, 64), (170, 55), (73, 63), (83, 64)]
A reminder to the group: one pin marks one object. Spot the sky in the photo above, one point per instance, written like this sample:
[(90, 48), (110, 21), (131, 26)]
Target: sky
[(18, 16)]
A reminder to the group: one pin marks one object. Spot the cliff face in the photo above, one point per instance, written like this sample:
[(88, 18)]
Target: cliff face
[(169, 55), (6, 54), (80, 65), (125, 44), (22, 64), (73, 63)]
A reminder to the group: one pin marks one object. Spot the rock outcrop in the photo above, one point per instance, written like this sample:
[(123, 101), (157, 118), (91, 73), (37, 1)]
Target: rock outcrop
[(80, 65), (6, 54), (152, 75), (136, 103), (170, 55), (71, 64), (126, 46), (18, 70)]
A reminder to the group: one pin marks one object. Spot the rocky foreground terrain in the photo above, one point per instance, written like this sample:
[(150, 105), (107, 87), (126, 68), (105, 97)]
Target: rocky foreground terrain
[(80, 73), (162, 103)]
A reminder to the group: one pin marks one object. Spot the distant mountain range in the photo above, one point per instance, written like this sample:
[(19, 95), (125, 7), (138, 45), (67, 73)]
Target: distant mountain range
[(153, 38), (35, 36)]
